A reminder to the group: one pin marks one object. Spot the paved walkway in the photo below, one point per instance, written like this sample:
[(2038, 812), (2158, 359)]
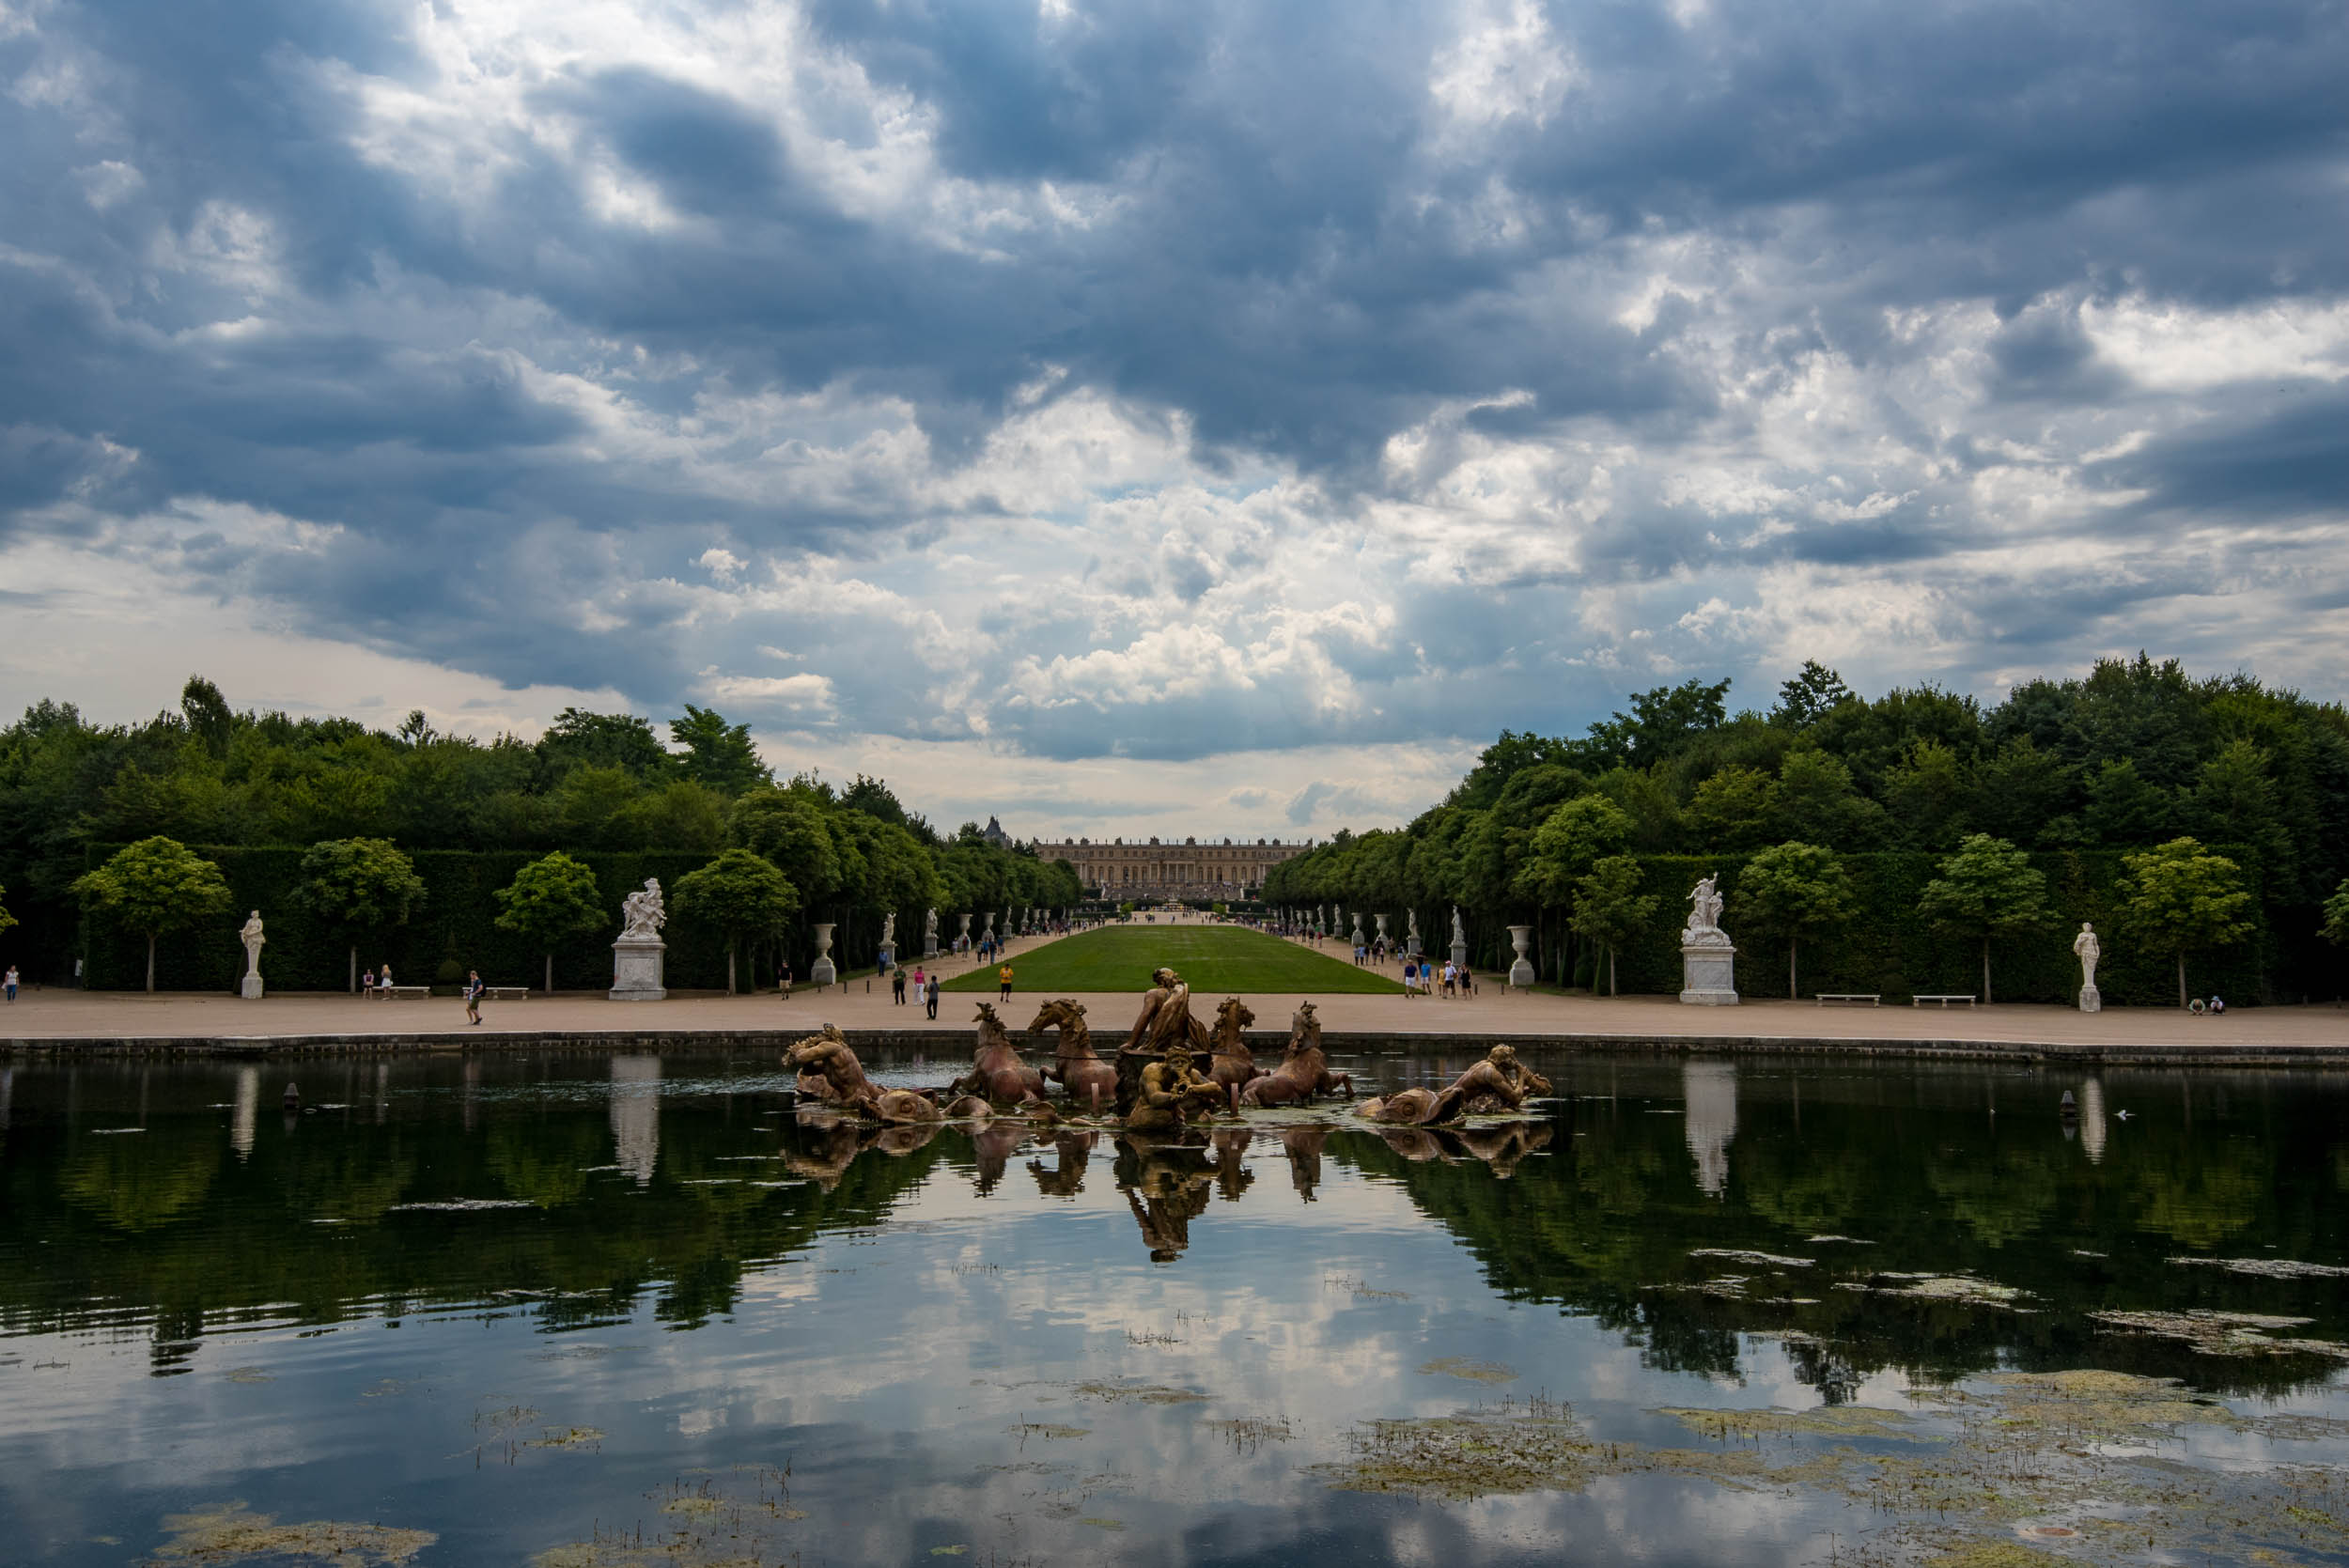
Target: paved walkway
[(59, 1016)]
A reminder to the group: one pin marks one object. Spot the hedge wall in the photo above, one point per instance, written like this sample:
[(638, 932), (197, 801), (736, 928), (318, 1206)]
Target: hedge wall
[(457, 924), (1889, 948)]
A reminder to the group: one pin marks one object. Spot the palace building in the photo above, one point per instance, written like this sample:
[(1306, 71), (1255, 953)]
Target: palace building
[(1192, 870)]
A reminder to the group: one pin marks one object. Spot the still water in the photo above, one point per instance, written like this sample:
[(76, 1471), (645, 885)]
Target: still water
[(590, 1312)]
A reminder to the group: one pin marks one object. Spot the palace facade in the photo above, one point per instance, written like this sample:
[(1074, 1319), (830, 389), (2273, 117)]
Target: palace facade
[(1191, 870)]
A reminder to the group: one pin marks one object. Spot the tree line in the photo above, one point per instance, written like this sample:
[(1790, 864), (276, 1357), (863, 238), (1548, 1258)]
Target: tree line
[(108, 825), (2220, 806)]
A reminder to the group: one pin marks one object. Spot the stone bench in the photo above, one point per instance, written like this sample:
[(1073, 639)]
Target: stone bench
[(504, 993), (404, 991), (1943, 998), (1872, 998)]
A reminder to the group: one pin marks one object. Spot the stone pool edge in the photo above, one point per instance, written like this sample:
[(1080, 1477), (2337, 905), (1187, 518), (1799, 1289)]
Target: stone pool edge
[(1348, 1042)]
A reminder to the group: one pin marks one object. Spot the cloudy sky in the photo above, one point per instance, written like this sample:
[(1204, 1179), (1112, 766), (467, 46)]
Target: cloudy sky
[(1200, 416)]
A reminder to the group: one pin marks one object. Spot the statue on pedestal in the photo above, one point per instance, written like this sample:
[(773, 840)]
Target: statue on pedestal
[(2088, 949), (929, 934), (250, 934), (637, 956), (1708, 960)]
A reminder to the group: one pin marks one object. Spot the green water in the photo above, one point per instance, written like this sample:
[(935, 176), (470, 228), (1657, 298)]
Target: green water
[(675, 1323)]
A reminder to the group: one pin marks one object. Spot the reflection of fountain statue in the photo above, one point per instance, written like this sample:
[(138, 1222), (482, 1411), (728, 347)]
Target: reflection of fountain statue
[(2093, 1120), (1708, 960), (252, 938), (637, 957), (1303, 1147), (2089, 950), (1166, 1188)]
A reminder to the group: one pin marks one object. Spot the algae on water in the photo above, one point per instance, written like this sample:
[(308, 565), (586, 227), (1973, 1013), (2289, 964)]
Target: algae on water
[(232, 1533)]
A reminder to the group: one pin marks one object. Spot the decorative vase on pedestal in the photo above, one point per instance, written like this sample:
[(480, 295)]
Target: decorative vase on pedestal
[(1521, 971), (822, 971)]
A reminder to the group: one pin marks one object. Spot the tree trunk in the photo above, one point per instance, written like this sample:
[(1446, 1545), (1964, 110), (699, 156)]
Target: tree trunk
[(150, 967), (150, 984), (354, 968), (550, 986), (1613, 989), (1986, 972), (729, 968), (1794, 945)]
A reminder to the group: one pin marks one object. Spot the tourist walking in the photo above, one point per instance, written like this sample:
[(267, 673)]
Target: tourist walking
[(473, 987), (898, 988), (929, 997), (783, 978), (1410, 977), (383, 984), (1004, 974), (9, 983)]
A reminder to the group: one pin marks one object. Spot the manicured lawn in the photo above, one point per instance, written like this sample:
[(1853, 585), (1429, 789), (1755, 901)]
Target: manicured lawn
[(1217, 960)]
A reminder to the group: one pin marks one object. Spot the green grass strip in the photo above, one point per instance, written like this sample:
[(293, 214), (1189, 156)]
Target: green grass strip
[(1217, 960)]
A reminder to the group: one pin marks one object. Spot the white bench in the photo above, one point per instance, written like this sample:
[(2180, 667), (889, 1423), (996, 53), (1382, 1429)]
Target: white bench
[(1873, 999), (405, 992), (1944, 999), (504, 993)]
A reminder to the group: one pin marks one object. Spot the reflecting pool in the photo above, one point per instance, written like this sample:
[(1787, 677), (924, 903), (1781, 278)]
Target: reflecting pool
[(587, 1311)]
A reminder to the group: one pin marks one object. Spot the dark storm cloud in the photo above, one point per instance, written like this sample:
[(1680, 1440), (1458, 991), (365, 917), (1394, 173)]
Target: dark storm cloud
[(211, 287)]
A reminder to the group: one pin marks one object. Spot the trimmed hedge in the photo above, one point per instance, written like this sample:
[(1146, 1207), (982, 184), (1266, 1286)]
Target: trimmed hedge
[(1890, 949)]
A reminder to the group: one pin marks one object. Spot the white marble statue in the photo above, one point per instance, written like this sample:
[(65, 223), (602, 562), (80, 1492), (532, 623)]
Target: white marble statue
[(1705, 917), (640, 913), (1411, 934), (250, 934), (889, 933), (930, 929), (1459, 936), (2087, 950)]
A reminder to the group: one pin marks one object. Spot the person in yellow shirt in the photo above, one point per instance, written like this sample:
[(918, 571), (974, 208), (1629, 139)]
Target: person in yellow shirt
[(1004, 974)]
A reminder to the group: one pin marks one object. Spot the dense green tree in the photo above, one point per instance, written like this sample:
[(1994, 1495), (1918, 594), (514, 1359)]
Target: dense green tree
[(1987, 889), (7, 919), (1735, 809), (2018, 789), (717, 753), (154, 887), (578, 739), (2122, 808), (1662, 723), (789, 828), (207, 717), (1792, 888), (1610, 909), (2335, 928), (550, 901), (1925, 796), (1817, 804), (1810, 695), (1575, 837), (360, 888), (2181, 899), (741, 895)]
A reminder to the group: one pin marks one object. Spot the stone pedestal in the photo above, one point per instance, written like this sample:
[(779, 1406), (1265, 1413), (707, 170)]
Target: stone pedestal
[(2091, 999), (1359, 940), (1521, 971), (1459, 953), (1708, 975), (636, 963), (251, 988), (822, 971)]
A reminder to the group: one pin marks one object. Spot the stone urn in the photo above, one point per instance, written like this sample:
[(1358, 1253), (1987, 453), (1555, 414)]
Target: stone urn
[(822, 971), (1520, 971)]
